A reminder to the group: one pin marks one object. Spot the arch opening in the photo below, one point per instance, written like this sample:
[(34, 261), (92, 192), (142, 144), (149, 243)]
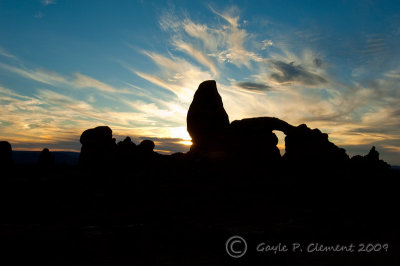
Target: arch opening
[(281, 141)]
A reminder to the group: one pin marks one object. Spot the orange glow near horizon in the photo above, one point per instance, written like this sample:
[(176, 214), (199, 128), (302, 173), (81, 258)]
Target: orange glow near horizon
[(40, 149), (186, 142)]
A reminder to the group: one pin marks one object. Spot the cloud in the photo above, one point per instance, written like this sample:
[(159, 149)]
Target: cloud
[(176, 75), (167, 114), (4, 53), (30, 119), (155, 80), (83, 81), (210, 38), (48, 2), (40, 75), (290, 73), (253, 86), (392, 148), (57, 99), (318, 62), (226, 42), (198, 55), (266, 44), (52, 78), (230, 15), (234, 41), (45, 3), (38, 15), (8, 92), (375, 44)]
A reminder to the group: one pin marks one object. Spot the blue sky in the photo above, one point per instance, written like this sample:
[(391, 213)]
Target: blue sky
[(66, 66)]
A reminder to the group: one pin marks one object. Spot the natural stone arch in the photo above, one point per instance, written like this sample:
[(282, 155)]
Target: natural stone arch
[(301, 143), (253, 139), (266, 123)]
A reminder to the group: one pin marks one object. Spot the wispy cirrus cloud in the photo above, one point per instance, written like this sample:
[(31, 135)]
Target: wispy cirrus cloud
[(79, 80), (5, 53), (48, 2), (224, 42), (234, 39), (40, 75), (83, 81), (198, 55), (177, 75)]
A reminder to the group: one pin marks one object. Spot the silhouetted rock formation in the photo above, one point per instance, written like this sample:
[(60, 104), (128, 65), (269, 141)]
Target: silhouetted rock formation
[(369, 162), (126, 150), (146, 146), (309, 146), (98, 147), (99, 151), (145, 155), (46, 159), (373, 155), (252, 139), (207, 121), (127, 143), (5, 154)]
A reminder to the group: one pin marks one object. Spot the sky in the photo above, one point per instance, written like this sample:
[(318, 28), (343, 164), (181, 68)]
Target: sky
[(66, 66)]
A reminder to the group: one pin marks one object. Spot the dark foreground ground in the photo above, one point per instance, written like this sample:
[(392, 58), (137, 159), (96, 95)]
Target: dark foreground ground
[(180, 212)]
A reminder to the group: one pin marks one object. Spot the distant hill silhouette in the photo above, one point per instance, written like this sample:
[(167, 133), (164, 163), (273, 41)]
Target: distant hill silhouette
[(32, 157)]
